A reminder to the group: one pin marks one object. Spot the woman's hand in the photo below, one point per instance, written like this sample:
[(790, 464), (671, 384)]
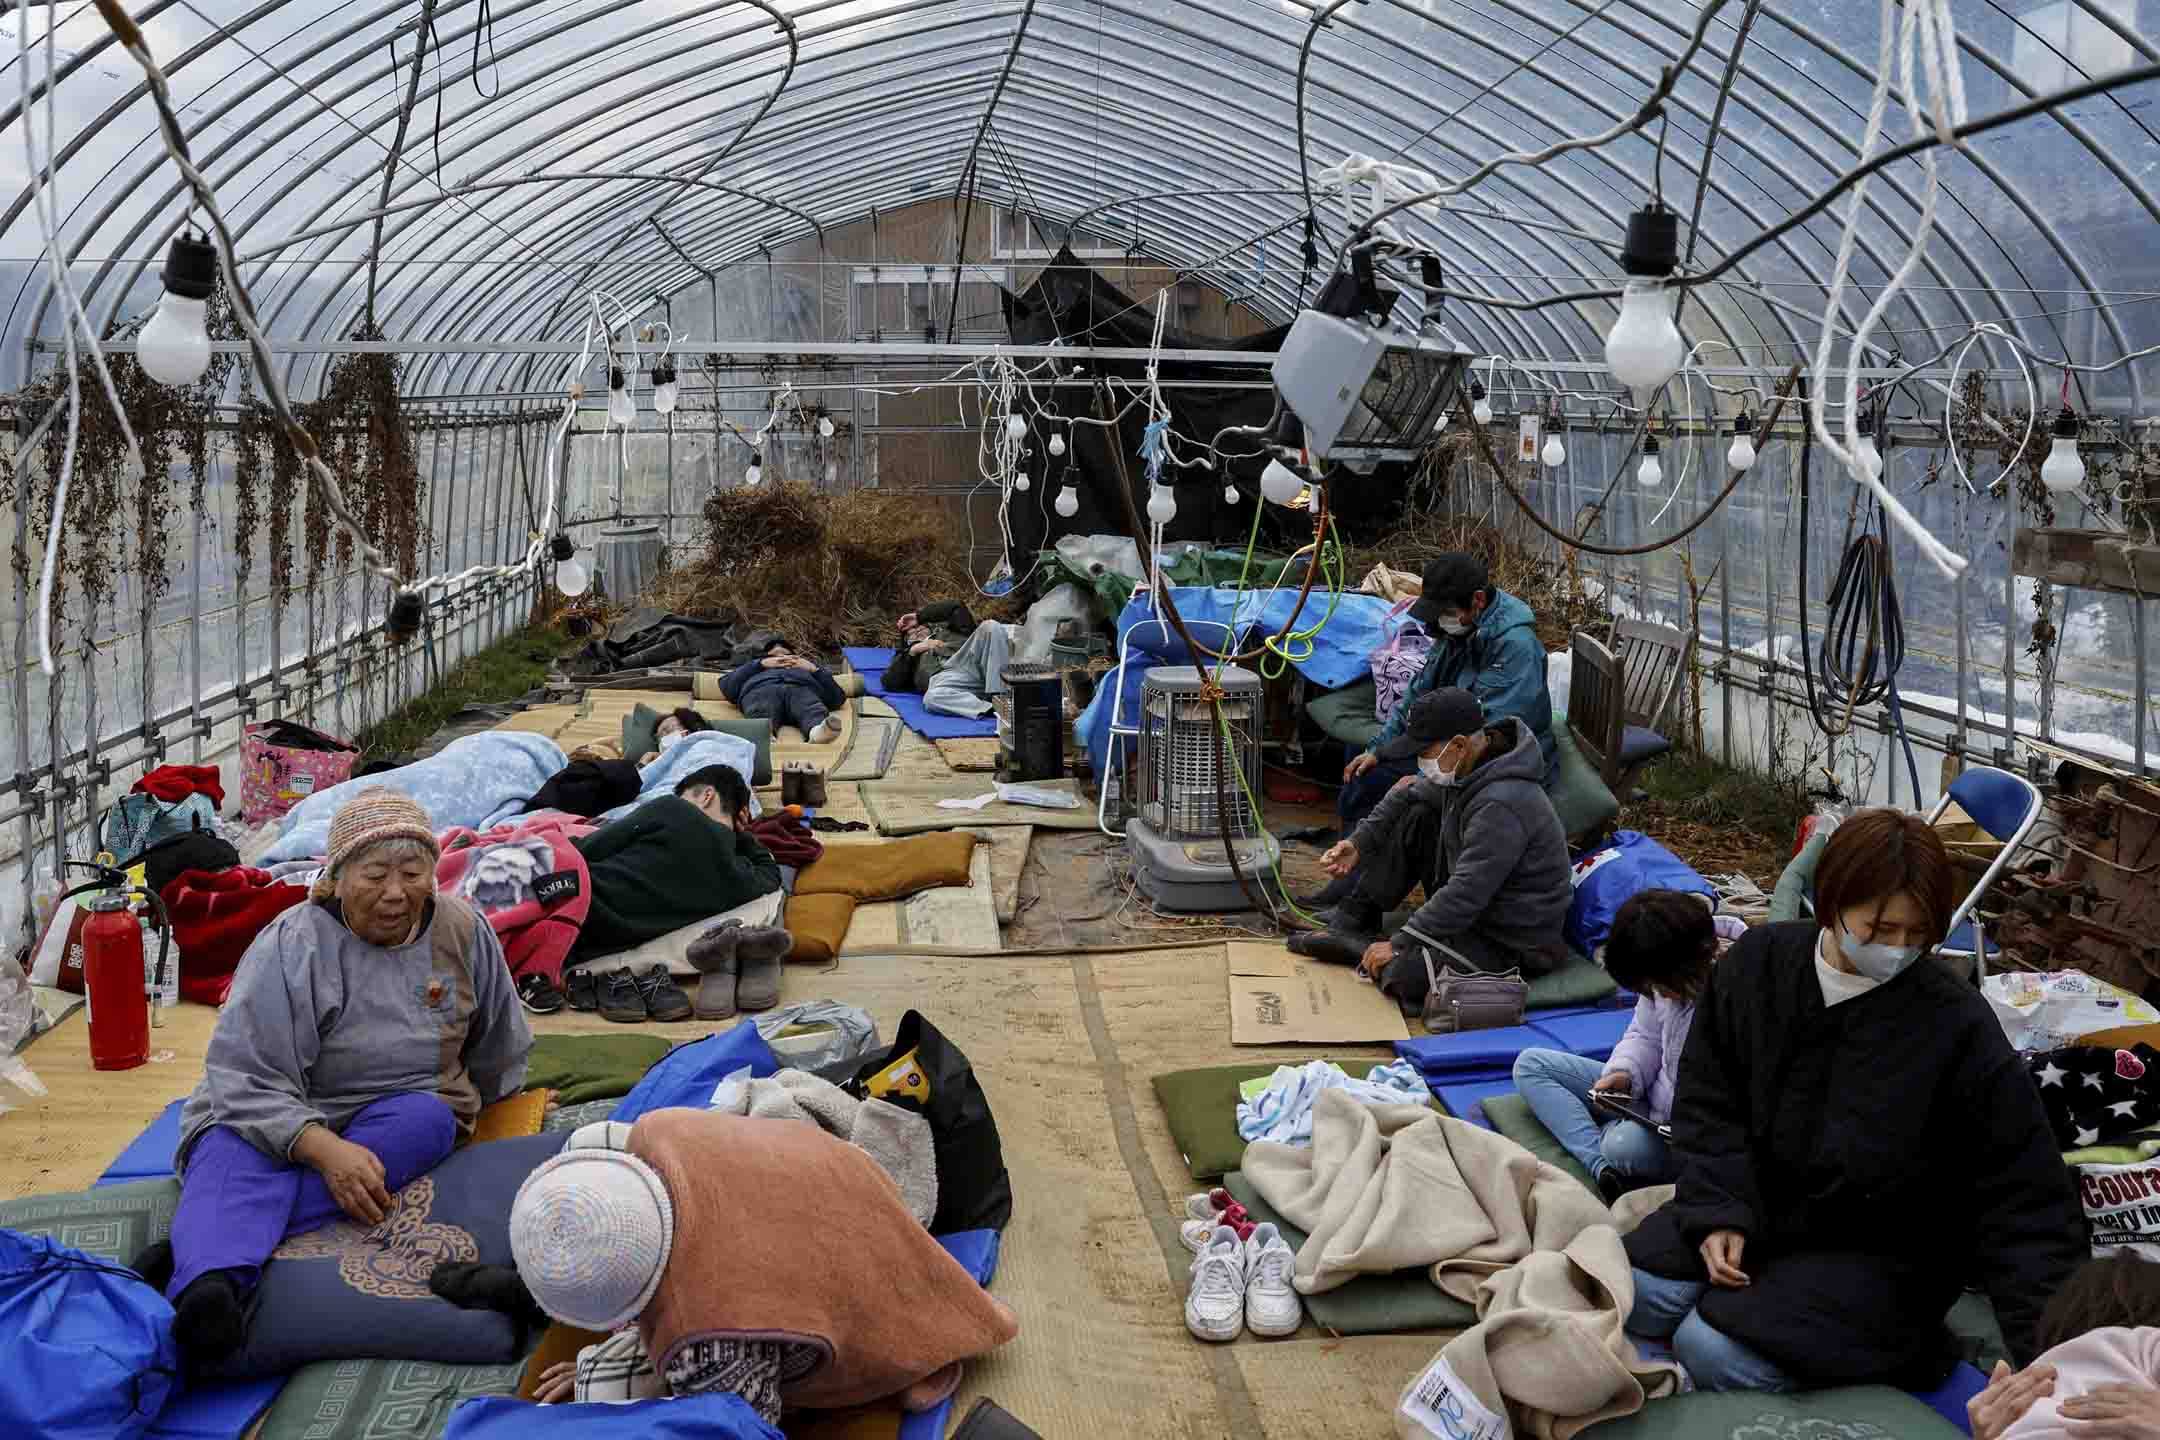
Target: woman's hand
[(2009, 1394), (1358, 765), (1341, 858), (557, 1383), (1721, 1256), (1616, 1082), (2114, 1412), (351, 1172)]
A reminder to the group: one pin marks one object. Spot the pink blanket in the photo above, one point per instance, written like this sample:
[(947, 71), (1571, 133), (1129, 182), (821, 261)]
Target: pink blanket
[(530, 882)]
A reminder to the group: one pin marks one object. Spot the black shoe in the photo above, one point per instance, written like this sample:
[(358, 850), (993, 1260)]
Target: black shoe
[(538, 994), (1332, 946), (471, 1286), (1612, 1185), (583, 987), (209, 1321), (155, 1265), (1334, 893), (665, 1001), (621, 1000)]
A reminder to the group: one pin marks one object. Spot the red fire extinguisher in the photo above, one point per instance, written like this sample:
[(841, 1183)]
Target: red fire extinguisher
[(115, 989)]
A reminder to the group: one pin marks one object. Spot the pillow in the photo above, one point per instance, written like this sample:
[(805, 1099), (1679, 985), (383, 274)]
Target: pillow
[(1200, 1107), (1370, 1304), (890, 870), (638, 739), (345, 1292), (1512, 1116), (1854, 1410), (112, 1222), (579, 1068), (515, 1116), (819, 923), (379, 1399), (1577, 980)]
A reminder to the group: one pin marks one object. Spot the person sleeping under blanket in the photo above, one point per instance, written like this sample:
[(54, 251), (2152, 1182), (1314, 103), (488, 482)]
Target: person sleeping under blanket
[(673, 861), (680, 721), (954, 663), (782, 688)]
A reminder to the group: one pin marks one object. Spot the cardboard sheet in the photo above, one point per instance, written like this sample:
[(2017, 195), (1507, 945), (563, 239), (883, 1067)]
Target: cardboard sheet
[(1315, 1004), (1260, 957)]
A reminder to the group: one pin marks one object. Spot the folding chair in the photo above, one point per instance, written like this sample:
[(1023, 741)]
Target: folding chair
[(2006, 806)]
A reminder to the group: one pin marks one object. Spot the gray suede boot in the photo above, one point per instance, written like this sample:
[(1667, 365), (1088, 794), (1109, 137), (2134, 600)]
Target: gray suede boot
[(760, 954), (714, 956)]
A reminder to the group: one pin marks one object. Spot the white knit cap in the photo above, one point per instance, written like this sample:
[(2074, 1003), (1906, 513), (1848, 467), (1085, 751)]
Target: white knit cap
[(591, 1231)]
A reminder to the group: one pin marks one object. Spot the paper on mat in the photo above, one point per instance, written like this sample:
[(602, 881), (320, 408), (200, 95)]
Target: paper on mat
[(1438, 1404), (1315, 1004)]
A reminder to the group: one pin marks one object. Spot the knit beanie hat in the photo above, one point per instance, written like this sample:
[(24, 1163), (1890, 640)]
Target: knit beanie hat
[(378, 813), (591, 1231)]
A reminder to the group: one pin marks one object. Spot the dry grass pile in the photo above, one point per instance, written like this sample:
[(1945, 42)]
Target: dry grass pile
[(1551, 590), (824, 570)]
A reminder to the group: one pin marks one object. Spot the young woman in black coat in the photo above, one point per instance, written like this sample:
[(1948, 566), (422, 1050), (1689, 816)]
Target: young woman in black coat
[(1857, 1143)]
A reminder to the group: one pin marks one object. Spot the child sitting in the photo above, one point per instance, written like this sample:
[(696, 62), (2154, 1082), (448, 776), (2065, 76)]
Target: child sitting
[(1662, 945), (2100, 1344)]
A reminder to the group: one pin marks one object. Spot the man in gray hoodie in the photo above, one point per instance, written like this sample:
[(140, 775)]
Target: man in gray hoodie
[(1474, 827)]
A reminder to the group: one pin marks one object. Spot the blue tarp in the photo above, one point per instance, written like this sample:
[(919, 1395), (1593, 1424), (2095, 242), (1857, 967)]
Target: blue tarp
[(149, 1156)]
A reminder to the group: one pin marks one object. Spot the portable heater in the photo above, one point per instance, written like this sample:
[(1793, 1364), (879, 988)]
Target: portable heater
[(1034, 737), (1175, 835)]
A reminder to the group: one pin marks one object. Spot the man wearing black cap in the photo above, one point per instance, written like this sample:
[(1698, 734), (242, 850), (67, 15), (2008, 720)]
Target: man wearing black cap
[(1476, 829), (1484, 641)]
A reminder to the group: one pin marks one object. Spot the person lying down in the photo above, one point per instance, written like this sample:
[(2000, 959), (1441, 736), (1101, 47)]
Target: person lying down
[(955, 664), (673, 861), (2098, 1374), (701, 1245)]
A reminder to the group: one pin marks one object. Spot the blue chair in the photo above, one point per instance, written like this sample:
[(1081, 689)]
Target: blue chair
[(2006, 806)]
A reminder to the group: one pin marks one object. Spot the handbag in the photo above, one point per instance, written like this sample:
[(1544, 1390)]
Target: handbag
[(283, 762), (1458, 1000)]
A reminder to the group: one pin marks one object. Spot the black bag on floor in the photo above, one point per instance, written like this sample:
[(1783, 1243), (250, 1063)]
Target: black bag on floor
[(922, 1070), (170, 858)]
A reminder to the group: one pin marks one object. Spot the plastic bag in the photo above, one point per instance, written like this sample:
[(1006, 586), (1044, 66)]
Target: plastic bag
[(18, 1022), (2051, 1010), (817, 1033)]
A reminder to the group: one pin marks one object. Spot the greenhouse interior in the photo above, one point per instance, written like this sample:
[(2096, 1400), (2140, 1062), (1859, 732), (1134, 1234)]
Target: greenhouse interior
[(1132, 694)]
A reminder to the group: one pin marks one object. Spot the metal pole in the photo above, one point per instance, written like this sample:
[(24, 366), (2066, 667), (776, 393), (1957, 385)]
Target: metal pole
[(2137, 641), (1961, 518), (195, 584), (499, 493), (1724, 551), (27, 833)]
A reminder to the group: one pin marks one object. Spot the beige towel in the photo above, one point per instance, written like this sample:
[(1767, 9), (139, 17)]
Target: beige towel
[(1386, 1187)]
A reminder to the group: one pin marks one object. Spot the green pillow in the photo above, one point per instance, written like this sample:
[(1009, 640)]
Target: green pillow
[(1201, 1106), (638, 739), (758, 733), (1370, 1304), (1577, 980), (1512, 1116), (1578, 792), (591, 1067), (1346, 714), (1855, 1410), (380, 1399)]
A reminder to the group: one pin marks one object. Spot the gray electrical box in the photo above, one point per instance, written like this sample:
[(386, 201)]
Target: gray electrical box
[(1365, 395)]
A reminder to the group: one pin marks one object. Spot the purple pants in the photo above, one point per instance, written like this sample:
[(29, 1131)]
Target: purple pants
[(238, 1204)]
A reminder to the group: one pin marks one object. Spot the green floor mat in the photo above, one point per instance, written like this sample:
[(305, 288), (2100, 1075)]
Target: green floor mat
[(380, 1399), (1372, 1304), (1512, 1116), (590, 1067), (1201, 1106), (1855, 1410)]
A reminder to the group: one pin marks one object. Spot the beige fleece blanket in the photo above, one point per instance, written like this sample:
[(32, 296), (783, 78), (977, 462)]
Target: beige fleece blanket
[(1387, 1187)]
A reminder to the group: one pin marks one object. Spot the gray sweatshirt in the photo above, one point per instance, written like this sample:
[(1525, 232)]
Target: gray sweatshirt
[(320, 1023), (1502, 849)]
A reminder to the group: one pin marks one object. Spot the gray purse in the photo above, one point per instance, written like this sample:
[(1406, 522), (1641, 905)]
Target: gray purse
[(1458, 1000)]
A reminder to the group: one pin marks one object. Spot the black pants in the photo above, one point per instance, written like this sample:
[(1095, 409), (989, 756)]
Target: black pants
[(779, 705), (1360, 796), (1408, 858)]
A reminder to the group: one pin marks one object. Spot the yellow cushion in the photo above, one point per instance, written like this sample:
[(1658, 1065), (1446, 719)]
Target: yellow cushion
[(521, 1114), (890, 870), (819, 923)]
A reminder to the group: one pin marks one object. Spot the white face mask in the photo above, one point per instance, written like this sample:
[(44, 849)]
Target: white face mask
[(1455, 629), (1437, 771), (670, 738), (1877, 962)]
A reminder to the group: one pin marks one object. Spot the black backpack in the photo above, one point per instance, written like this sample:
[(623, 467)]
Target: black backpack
[(173, 856)]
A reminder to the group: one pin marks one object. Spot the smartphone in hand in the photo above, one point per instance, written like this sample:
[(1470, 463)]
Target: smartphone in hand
[(1624, 1107)]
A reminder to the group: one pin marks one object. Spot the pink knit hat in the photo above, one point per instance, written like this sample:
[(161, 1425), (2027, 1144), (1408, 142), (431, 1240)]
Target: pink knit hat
[(375, 814)]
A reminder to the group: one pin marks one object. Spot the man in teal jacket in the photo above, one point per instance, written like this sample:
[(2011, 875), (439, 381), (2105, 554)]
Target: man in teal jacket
[(1485, 642)]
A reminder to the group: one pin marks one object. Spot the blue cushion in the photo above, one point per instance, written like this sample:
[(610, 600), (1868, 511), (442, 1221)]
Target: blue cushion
[(215, 1409), (1948, 1399), (1638, 744), (977, 1252), (712, 1415), (150, 1154), (1472, 1050), (1465, 1101), (1592, 1035)]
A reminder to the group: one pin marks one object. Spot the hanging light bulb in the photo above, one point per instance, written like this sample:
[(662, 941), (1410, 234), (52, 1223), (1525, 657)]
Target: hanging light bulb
[(756, 472), (1480, 407), (1015, 427), (2063, 472), (1230, 495), (1742, 455), (1554, 455), (174, 348), (621, 409), (571, 576), (1161, 505), (1649, 474), (1067, 503), (1280, 483), (1057, 444), (1645, 348), (1870, 457), (663, 387), (825, 427), (1022, 483)]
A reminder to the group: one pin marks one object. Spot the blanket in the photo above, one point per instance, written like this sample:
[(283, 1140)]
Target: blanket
[(898, 1139), (216, 915), (679, 761), (530, 882), (480, 781), (761, 1204)]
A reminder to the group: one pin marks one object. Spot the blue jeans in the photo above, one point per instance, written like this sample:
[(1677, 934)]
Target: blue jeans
[(1557, 1085), (1665, 1310)]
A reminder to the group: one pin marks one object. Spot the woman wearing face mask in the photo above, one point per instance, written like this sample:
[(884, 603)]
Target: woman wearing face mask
[(680, 721), (1857, 1144)]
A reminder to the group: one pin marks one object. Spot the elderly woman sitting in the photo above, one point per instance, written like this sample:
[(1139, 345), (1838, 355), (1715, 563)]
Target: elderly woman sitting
[(364, 1032)]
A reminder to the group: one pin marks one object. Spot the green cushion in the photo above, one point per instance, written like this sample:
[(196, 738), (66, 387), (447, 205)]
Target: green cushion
[(1201, 1106), (1578, 792), (1346, 714), (638, 739), (579, 1068), (1512, 1116), (758, 733), (1873, 1411), (380, 1399), (1371, 1304), (112, 1222), (1578, 981)]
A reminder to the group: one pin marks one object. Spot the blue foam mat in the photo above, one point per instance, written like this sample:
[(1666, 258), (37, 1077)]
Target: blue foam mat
[(1593, 1036), (215, 1409), (870, 661), (1461, 1098), (149, 1156), (1472, 1050)]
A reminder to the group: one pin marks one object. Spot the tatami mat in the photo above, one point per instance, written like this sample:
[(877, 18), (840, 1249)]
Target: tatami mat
[(598, 716)]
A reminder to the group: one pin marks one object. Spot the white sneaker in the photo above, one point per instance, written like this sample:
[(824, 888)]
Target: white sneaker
[(1215, 1306), (1272, 1306), (1206, 1206)]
